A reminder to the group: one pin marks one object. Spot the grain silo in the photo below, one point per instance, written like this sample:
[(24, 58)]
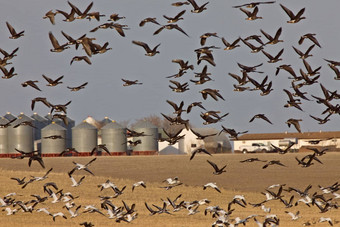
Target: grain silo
[(50, 145), (114, 137), (20, 137), (84, 137), (39, 122), (105, 121), (3, 136), (149, 142)]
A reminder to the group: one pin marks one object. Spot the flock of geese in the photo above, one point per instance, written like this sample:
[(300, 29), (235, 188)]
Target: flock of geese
[(248, 80)]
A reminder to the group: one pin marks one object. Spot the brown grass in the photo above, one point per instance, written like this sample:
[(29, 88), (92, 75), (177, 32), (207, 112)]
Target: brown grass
[(248, 179)]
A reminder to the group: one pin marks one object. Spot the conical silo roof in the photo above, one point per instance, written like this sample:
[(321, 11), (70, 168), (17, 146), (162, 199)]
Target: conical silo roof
[(3, 121), (9, 116), (48, 116), (144, 124), (53, 127), (21, 118), (84, 125), (39, 118), (112, 124), (105, 121)]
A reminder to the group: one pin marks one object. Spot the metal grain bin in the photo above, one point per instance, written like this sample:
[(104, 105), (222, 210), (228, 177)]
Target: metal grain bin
[(3, 136), (84, 137), (150, 141), (20, 137), (40, 123), (50, 145), (114, 136)]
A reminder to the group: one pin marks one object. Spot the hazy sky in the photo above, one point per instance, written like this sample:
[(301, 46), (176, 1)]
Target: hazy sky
[(105, 95)]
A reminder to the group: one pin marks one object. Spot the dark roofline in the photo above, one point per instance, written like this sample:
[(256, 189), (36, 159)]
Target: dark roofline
[(283, 135)]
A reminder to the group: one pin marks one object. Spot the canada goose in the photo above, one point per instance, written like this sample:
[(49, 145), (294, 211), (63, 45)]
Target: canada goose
[(55, 44), (294, 18), (63, 117), (262, 116), (31, 83), (69, 17), (172, 138), (311, 37), (298, 93), (251, 15), (282, 151), (199, 104), (295, 123), (258, 86), (78, 87), (266, 90), (207, 35), (178, 108), (197, 9), (115, 17), (133, 143), (170, 27), (231, 132), (68, 150), (200, 136), (72, 41), (100, 49), (25, 123), (177, 4), (8, 56), (217, 171), (98, 147), (40, 99), (148, 20), (20, 181), (183, 64), (249, 68), (199, 150), (273, 162), (211, 119), (60, 107), (230, 46), (177, 121), (310, 71), (212, 185), (214, 93), (51, 16), (287, 68), (81, 15), (273, 59), (179, 87), (52, 82), (321, 120), (139, 183), (252, 160), (292, 102), (241, 80), (318, 152), (257, 38), (275, 39), (130, 82), (146, 47), (37, 158), (306, 54), (336, 71), (94, 15), (175, 18), (81, 58), (253, 4), (254, 49), (14, 34), (7, 74)]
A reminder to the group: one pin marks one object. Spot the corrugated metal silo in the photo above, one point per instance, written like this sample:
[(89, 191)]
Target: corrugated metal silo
[(3, 136), (149, 143), (39, 122), (114, 136), (84, 137), (53, 146), (20, 137), (105, 121)]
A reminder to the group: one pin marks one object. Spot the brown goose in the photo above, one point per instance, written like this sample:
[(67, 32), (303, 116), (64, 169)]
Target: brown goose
[(175, 18), (260, 116), (170, 27), (148, 20), (78, 87), (69, 17), (275, 39), (294, 18), (197, 9), (295, 123), (52, 82), (311, 37), (81, 58), (231, 46), (214, 93), (40, 99), (8, 56), (51, 16), (273, 59), (115, 17), (56, 46), (81, 15), (253, 4), (31, 83), (14, 34), (130, 82), (251, 15), (7, 74), (149, 52)]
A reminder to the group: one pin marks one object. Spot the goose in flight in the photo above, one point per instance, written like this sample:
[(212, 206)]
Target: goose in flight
[(31, 83), (251, 15), (212, 185), (199, 150), (217, 170), (197, 9), (294, 18), (56, 46), (139, 183), (149, 52), (14, 34), (74, 182), (83, 167), (52, 82)]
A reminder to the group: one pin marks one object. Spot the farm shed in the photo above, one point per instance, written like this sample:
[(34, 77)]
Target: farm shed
[(330, 139)]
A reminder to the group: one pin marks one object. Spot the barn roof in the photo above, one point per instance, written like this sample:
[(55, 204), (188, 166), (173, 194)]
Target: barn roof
[(283, 135)]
